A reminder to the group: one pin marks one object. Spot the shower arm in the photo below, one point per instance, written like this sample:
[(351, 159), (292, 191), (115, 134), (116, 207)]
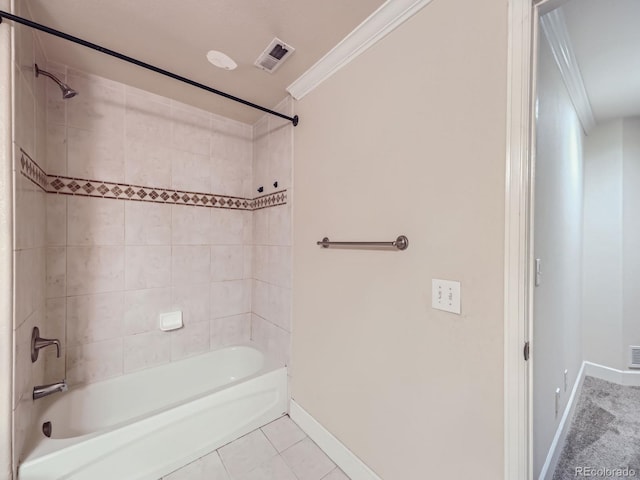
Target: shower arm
[(93, 46)]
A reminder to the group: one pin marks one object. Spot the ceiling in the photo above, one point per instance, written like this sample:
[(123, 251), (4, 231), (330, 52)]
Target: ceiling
[(605, 36), (176, 36)]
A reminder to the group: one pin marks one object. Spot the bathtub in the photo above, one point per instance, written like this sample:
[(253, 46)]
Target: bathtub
[(146, 424)]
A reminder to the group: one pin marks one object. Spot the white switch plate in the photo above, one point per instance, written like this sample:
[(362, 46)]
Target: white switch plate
[(445, 295)]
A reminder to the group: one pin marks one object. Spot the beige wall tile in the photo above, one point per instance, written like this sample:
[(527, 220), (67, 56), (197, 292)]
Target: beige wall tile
[(23, 416), (91, 318), (56, 220), (142, 309), (94, 269), (93, 362), (22, 373), (95, 155), (248, 261), (260, 299), (190, 225), (227, 227), (247, 226), (191, 172), (191, 129), (190, 265), (147, 223), (146, 350), (194, 301), (95, 221), (227, 262), (261, 263), (55, 323), (56, 157), (99, 107), (273, 339), (279, 266), (279, 227), (56, 105), (230, 298), (261, 226), (29, 271), (148, 119), (190, 340), (30, 207), (147, 267), (279, 307), (148, 163), (230, 330), (56, 266)]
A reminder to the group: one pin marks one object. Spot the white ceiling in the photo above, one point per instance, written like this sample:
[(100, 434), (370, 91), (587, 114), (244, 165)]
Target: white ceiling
[(605, 35), (176, 36)]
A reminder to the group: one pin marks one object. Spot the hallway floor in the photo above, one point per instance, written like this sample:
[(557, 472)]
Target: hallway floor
[(277, 451), (604, 433)]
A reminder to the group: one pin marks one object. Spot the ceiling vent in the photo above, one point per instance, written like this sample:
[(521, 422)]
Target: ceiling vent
[(634, 353), (274, 55)]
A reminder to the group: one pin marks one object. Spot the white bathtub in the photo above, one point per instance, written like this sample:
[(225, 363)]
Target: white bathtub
[(146, 424)]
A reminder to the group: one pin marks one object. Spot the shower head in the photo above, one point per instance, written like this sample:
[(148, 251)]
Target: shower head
[(67, 91)]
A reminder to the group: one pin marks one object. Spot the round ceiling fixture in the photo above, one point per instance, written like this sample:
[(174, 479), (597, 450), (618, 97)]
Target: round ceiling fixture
[(221, 60)]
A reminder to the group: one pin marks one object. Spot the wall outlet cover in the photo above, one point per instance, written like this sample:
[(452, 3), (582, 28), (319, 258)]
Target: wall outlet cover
[(445, 295)]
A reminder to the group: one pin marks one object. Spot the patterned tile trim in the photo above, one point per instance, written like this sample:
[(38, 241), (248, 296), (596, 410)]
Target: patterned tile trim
[(31, 170), (270, 200), (122, 191)]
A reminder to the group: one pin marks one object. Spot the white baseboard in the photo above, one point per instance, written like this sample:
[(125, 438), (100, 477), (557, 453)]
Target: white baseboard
[(344, 458), (621, 377), (563, 428)]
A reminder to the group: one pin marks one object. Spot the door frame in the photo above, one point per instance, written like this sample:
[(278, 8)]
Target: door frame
[(523, 32)]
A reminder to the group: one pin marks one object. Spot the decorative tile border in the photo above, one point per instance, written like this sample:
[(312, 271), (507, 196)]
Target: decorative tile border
[(31, 170), (270, 200), (122, 191)]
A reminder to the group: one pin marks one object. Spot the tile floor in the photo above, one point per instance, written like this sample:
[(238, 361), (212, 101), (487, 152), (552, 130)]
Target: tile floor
[(277, 451)]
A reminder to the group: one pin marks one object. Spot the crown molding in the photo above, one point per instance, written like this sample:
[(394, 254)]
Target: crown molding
[(555, 30), (383, 21)]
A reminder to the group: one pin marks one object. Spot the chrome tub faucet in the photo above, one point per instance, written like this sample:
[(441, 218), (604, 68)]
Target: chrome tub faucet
[(40, 391)]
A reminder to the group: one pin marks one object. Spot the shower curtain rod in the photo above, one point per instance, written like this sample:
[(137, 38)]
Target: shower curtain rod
[(79, 41)]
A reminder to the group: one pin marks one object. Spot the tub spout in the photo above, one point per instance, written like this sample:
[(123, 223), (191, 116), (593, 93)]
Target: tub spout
[(40, 391)]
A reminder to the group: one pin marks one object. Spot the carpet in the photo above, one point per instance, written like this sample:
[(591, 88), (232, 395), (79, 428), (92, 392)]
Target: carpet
[(604, 436)]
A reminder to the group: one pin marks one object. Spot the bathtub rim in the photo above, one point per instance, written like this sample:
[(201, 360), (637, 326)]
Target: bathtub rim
[(39, 445)]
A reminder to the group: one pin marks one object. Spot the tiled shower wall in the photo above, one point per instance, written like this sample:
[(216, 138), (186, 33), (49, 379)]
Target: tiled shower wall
[(113, 265), (29, 210), (271, 286)]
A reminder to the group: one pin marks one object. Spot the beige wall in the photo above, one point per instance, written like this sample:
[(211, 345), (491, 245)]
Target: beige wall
[(407, 139)]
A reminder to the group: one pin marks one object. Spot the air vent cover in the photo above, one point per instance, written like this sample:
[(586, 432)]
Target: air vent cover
[(634, 361), (274, 55)]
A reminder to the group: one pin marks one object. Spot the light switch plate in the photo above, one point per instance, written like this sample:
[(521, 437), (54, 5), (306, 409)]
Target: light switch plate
[(445, 295)]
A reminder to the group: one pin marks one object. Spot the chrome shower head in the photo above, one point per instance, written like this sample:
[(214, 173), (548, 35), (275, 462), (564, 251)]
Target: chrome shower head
[(67, 91)]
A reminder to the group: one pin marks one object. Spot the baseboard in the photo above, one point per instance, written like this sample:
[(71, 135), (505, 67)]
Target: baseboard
[(344, 458), (563, 428), (621, 377)]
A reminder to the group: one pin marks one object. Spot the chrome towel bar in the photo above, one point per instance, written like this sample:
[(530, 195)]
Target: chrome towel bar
[(401, 243)]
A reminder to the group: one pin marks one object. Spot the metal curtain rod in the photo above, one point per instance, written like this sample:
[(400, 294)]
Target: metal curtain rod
[(79, 41), (401, 243)]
